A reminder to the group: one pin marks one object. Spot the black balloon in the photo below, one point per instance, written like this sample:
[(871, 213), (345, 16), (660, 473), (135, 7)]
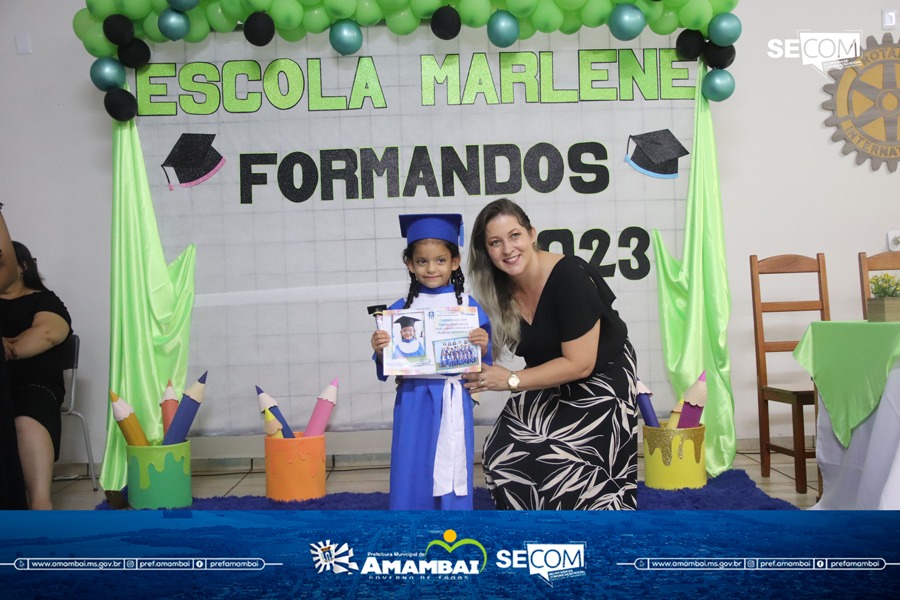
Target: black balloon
[(134, 55), (259, 29), (118, 29), (120, 104), (718, 57), (689, 45), (445, 23)]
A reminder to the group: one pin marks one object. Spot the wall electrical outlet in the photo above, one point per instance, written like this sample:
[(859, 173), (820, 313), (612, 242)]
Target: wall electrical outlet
[(889, 18), (893, 240)]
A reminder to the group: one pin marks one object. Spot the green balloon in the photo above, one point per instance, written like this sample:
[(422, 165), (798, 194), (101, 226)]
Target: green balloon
[(292, 35), (402, 22), (199, 30), (723, 6), (257, 5), (674, 3), (526, 29), (570, 4), (235, 9), (475, 13), (287, 14), (134, 9), (96, 44), (151, 29), (425, 8), (339, 9), (368, 13), (666, 23), (316, 20), (159, 5), (596, 12), (139, 29), (650, 8), (695, 14), (101, 8), (521, 9), (82, 20), (217, 18), (571, 22), (390, 6), (547, 16)]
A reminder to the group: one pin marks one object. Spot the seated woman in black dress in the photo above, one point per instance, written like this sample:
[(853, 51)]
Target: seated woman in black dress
[(34, 323), (567, 437)]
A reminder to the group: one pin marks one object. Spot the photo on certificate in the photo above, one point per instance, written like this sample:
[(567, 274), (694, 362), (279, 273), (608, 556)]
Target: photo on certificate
[(431, 341)]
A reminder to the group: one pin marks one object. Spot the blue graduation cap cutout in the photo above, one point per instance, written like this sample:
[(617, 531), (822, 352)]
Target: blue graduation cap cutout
[(447, 227), (656, 153), (193, 159)]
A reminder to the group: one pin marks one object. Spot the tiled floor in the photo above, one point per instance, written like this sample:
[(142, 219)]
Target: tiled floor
[(78, 495)]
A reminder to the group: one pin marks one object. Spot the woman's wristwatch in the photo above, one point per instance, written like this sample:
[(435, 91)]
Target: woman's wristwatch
[(513, 381)]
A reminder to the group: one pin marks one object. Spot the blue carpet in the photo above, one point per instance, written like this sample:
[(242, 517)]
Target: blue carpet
[(732, 490)]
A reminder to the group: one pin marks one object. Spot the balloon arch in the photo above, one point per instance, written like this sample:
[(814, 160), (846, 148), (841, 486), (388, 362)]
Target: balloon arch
[(114, 31)]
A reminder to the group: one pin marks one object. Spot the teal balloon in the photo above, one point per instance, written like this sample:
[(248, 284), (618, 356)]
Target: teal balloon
[(174, 24), (503, 29), (107, 73), (724, 29), (626, 22), (183, 5), (718, 85), (151, 29), (345, 37)]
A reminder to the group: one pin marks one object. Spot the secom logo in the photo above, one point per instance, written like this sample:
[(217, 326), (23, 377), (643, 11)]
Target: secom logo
[(824, 51), (551, 562)]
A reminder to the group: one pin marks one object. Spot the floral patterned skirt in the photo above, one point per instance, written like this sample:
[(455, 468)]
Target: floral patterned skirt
[(572, 447)]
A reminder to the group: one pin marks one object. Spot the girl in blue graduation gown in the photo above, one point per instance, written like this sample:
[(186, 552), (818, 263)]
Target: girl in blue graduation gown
[(433, 443)]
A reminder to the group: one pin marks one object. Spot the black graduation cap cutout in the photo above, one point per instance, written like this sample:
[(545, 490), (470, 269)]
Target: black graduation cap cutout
[(193, 159), (405, 321), (655, 153)]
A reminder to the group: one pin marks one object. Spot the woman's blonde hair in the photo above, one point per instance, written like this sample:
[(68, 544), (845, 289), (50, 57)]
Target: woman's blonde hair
[(493, 288)]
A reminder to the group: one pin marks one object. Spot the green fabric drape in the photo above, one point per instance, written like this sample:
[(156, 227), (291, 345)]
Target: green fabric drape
[(694, 301), (849, 362), (150, 305)]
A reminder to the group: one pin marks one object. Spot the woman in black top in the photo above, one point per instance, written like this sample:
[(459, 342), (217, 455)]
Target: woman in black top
[(567, 437), (34, 323)]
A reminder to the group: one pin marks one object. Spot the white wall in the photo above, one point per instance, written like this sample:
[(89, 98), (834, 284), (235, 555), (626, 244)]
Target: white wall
[(786, 186)]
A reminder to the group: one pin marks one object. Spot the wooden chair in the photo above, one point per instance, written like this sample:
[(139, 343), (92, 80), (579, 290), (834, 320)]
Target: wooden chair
[(886, 261), (797, 398)]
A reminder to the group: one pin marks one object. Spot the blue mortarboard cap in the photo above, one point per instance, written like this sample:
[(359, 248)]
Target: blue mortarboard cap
[(439, 227)]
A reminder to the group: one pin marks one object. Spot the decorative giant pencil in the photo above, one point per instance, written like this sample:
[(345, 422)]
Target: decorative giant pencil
[(324, 405), (187, 410), (645, 405), (676, 415), (268, 402), (127, 421), (694, 401), (168, 405), (272, 426)]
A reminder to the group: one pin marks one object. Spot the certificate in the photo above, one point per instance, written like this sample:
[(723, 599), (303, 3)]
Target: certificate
[(431, 341)]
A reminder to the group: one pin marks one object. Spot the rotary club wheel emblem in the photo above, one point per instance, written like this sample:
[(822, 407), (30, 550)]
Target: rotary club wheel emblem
[(865, 104)]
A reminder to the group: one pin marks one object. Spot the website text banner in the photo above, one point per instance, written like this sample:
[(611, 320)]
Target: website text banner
[(451, 554), (288, 166)]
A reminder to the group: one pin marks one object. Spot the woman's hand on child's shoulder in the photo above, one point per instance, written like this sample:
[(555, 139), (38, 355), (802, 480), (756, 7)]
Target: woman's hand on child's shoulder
[(480, 338), (380, 340)]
